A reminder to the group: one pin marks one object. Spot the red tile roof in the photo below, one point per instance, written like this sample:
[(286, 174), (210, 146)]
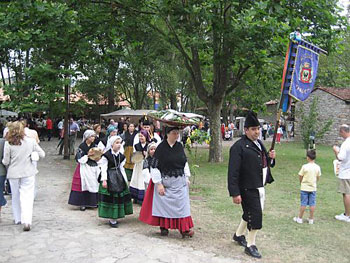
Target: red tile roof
[(341, 93)]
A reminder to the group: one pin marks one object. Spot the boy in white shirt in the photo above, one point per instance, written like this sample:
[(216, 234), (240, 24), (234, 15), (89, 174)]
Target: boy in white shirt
[(309, 174)]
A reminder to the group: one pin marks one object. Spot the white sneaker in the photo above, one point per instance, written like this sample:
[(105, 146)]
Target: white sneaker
[(311, 221), (341, 217), (346, 219), (298, 220)]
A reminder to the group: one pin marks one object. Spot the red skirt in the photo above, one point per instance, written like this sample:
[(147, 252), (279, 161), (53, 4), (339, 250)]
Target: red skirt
[(76, 182), (182, 224)]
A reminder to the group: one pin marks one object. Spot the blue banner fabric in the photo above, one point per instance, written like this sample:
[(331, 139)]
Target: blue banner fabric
[(304, 73)]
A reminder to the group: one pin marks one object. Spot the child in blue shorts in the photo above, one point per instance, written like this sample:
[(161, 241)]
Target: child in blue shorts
[(309, 174)]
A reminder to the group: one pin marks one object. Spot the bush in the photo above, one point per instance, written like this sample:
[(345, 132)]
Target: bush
[(311, 125)]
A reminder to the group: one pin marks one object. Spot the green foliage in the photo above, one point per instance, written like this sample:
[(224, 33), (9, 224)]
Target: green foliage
[(221, 42), (205, 50), (38, 43), (197, 137), (334, 68), (311, 125)]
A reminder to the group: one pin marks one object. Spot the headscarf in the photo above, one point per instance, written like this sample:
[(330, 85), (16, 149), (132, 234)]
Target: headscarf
[(152, 144), (145, 133), (110, 129), (87, 134), (170, 128), (111, 141)]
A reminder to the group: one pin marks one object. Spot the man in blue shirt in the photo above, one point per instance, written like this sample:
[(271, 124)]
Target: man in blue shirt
[(73, 130)]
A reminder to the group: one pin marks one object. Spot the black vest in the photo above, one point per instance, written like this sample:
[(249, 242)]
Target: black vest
[(139, 148), (111, 157)]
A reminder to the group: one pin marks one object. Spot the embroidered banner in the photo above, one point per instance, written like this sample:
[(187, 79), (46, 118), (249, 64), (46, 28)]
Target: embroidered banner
[(304, 73)]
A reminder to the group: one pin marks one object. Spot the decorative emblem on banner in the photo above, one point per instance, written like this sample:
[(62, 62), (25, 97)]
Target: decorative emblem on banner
[(304, 73)]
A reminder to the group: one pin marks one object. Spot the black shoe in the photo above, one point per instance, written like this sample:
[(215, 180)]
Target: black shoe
[(26, 227), (252, 251), (114, 225), (164, 231), (241, 240), (82, 208), (188, 233)]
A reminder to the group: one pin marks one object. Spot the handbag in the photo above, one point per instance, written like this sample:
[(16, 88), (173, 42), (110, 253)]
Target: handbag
[(137, 157), (115, 179)]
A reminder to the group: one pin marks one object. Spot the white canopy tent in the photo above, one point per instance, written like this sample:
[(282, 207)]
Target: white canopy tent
[(7, 113)]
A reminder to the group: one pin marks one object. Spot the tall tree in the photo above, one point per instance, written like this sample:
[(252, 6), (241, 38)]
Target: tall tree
[(49, 35), (101, 51), (221, 40), (334, 69)]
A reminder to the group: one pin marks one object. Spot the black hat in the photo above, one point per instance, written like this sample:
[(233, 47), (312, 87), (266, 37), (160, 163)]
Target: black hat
[(146, 122), (251, 120), (170, 128)]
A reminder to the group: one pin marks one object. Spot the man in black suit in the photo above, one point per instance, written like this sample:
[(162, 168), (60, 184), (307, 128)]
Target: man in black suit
[(248, 172)]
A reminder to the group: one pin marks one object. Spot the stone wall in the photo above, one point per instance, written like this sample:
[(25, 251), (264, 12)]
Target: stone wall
[(329, 107), (270, 114)]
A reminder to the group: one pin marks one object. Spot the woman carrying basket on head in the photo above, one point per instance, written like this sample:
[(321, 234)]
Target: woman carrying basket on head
[(167, 202)]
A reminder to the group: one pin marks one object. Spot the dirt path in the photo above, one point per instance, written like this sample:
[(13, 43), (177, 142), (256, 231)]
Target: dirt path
[(61, 233)]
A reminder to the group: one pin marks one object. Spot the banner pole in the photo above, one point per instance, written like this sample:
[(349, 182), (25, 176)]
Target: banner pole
[(279, 111)]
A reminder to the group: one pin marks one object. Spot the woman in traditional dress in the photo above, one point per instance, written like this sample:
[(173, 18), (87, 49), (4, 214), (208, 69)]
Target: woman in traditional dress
[(151, 148), (129, 149), (137, 185), (85, 178), (153, 136), (124, 130), (99, 134), (167, 202), (103, 144), (113, 205)]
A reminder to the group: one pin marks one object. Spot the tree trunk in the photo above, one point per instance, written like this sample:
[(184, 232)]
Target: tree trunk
[(110, 94), (7, 58), (137, 95), (8, 74), (111, 88), (66, 154), (173, 103), (225, 113), (215, 149), (2, 76)]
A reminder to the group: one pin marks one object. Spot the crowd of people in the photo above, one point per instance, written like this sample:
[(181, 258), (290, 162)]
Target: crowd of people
[(133, 154), (137, 163)]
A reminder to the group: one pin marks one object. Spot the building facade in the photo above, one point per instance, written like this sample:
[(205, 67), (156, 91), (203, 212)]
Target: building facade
[(333, 104)]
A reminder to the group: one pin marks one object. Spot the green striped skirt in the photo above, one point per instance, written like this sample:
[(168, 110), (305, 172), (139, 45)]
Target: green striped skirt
[(114, 206), (128, 173)]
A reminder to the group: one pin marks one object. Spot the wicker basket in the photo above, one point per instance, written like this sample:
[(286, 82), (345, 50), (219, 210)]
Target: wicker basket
[(172, 123)]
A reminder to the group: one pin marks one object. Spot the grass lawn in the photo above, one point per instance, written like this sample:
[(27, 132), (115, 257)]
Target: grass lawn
[(280, 240)]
